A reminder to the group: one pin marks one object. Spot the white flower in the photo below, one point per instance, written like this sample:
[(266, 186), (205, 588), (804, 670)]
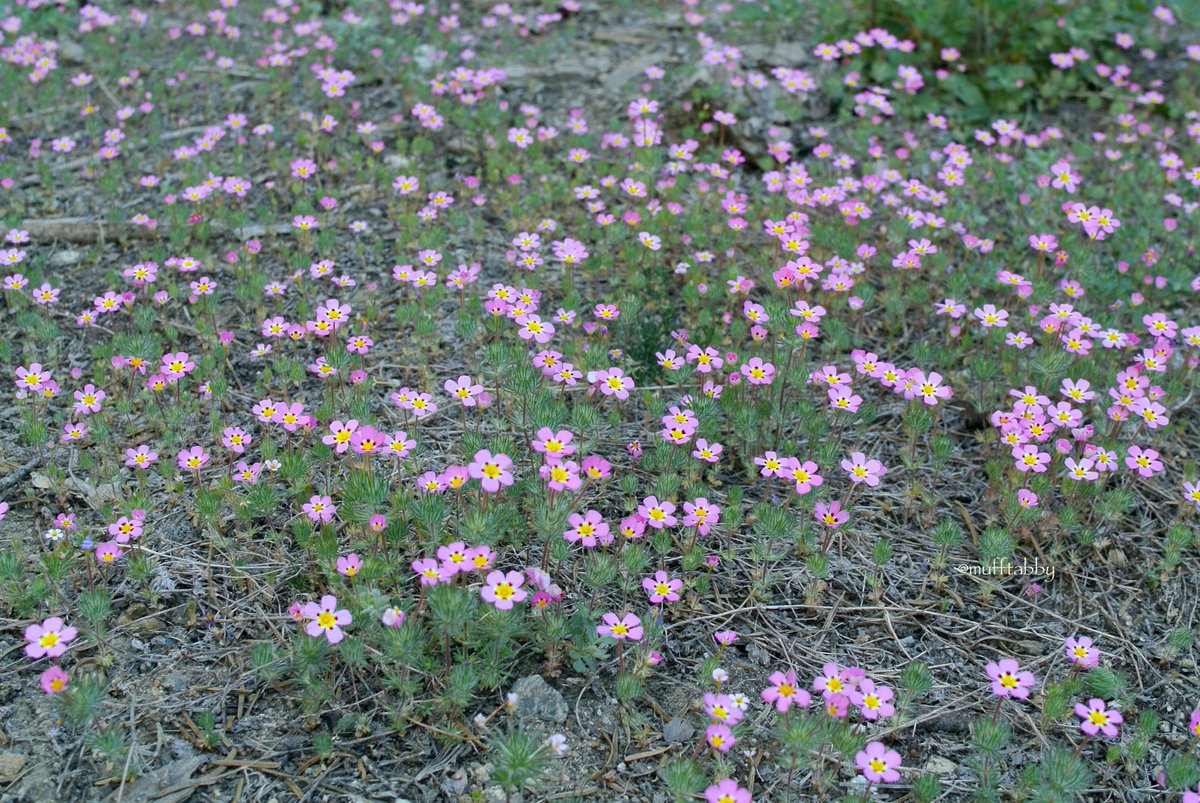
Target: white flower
[(557, 744), (720, 675)]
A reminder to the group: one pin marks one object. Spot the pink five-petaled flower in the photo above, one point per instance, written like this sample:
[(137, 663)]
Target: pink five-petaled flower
[(1008, 680), (878, 764), (831, 515), (873, 701), (349, 565), (192, 459), (504, 589), (1098, 718), (492, 471), (783, 692), (428, 570), (758, 372), (393, 617), (861, 469), (657, 514), (554, 445), (54, 680), (613, 382), (721, 708), (319, 508), (464, 390), (726, 790), (620, 628), (661, 588), (49, 639), (720, 737), (1144, 461), (325, 619), (1081, 652)]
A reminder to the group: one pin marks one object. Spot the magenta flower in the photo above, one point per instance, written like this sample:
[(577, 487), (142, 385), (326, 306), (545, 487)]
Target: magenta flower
[(726, 791), (873, 701), (720, 737), (393, 617), (722, 709), (620, 628), (657, 514), (661, 588), (319, 508), (758, 372), (49, 639), (108, 552), (860, 469), (588, 528), (554, 445), (325, 619), (831, 515), (350, 565), (1144, 461), (613, 382), (236, 439), (340, 434), (54, 680), (1081, 652), (428, 570), (803, 474), (783, 692), (504, 589), (492, 471), (464, 390), (193, 459), (1098, 718), (878, 764), (1008, 680)]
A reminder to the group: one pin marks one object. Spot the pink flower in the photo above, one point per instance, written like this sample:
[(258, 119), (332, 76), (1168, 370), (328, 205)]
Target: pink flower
[(492, 471), (1081, 652), (236, 439), (350, 565), (428, 570), (464, 390), (1144, 461), (860, 469), (319, 508), (1008, 680), (49, 639), (873, 701), (393, 617), (783, 692), (758, 372), (588, 528), (554, 445), (657, 514), (661, 588), (726, 791), (340, 434), (54, 680), (192, 459), (1098, 718), (832, 515), (878, 764), (803, 474), (720, 737), (628, 627), (613, 382), (721, 708), (504, 589), (325, 619)]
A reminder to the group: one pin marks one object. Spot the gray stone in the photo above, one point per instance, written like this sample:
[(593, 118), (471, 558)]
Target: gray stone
[(537, 698), (678, 730)]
